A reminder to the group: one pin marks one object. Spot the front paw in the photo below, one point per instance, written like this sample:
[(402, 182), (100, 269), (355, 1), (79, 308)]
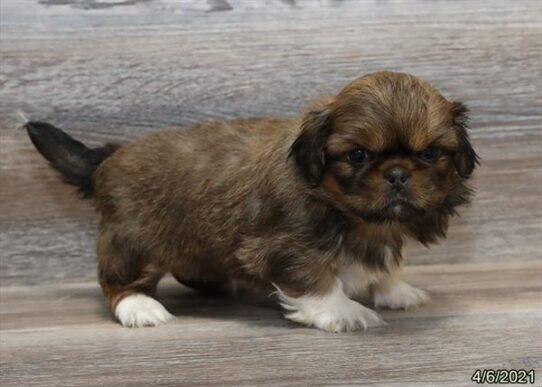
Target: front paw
[(400, 296), (140, 310), (333, 312)]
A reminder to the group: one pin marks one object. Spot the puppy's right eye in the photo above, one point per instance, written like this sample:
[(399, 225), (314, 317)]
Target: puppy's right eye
[(358, 156), (431, 153)]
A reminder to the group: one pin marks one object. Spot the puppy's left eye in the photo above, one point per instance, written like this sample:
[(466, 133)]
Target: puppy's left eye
[(358, 156), (430, 153)]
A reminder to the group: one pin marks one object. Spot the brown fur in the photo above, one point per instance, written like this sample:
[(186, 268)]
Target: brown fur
[(276, 201)]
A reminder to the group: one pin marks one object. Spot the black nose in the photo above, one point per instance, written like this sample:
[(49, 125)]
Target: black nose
[(397, 177)]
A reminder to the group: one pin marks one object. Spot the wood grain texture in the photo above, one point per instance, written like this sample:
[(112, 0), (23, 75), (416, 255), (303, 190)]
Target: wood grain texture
[(112, 71), (117, 72), (481, 316)]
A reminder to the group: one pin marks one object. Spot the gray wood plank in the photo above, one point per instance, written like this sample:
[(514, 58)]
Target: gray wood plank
[(119, 72), (481, 316)]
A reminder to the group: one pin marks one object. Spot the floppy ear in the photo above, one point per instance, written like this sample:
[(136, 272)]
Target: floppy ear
[(465, 158), (307, 150)]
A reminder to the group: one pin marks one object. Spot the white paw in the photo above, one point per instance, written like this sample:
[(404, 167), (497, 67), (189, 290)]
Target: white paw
[(139, 310), (332, 312), (400, 296)]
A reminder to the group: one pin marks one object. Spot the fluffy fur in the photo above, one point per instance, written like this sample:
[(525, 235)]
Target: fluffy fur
[(332, 311), (320, 206)]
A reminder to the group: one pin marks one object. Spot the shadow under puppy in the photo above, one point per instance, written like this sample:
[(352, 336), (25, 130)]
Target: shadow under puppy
[(317, 208)]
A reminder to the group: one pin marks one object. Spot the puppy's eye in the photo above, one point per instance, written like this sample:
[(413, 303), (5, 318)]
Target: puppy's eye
[(358, 156), (431, 153)]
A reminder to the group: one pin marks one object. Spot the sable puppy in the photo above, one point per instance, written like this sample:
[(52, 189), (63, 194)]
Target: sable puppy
[(317, 208)]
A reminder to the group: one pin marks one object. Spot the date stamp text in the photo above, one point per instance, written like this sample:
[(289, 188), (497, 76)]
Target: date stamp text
[(503, 376)]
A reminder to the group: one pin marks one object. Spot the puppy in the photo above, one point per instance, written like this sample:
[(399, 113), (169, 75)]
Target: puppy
[(317, 209)]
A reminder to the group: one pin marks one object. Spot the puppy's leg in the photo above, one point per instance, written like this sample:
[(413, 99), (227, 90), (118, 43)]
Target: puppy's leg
[(330, 310), (393, 293), (307, 284), (130, 283)]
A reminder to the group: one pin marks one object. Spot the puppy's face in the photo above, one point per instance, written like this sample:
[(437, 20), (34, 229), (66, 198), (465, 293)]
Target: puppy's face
[(388, 148)]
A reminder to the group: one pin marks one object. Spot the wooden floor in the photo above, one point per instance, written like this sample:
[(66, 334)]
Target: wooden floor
[(114, 70), (481, 317)]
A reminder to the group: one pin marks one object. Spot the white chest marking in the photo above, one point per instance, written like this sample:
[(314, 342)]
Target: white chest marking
[(357, 279)]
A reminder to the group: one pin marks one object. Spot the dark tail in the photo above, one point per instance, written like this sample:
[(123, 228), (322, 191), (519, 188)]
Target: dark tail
[(71, 158)]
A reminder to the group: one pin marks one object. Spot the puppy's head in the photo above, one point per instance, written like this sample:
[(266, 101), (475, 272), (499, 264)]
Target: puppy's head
[(387, 148)]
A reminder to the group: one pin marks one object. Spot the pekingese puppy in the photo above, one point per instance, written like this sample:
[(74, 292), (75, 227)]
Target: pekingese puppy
[(317, 209)]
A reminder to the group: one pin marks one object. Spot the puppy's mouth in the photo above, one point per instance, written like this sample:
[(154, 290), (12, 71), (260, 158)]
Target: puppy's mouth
[(397, 210), (400, 206)]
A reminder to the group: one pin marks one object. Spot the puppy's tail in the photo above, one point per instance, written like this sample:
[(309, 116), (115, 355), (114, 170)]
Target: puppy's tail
[(76, 162)]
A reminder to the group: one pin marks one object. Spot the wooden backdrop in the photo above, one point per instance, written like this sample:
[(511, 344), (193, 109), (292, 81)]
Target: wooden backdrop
[(116, 73), (114, 70)]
